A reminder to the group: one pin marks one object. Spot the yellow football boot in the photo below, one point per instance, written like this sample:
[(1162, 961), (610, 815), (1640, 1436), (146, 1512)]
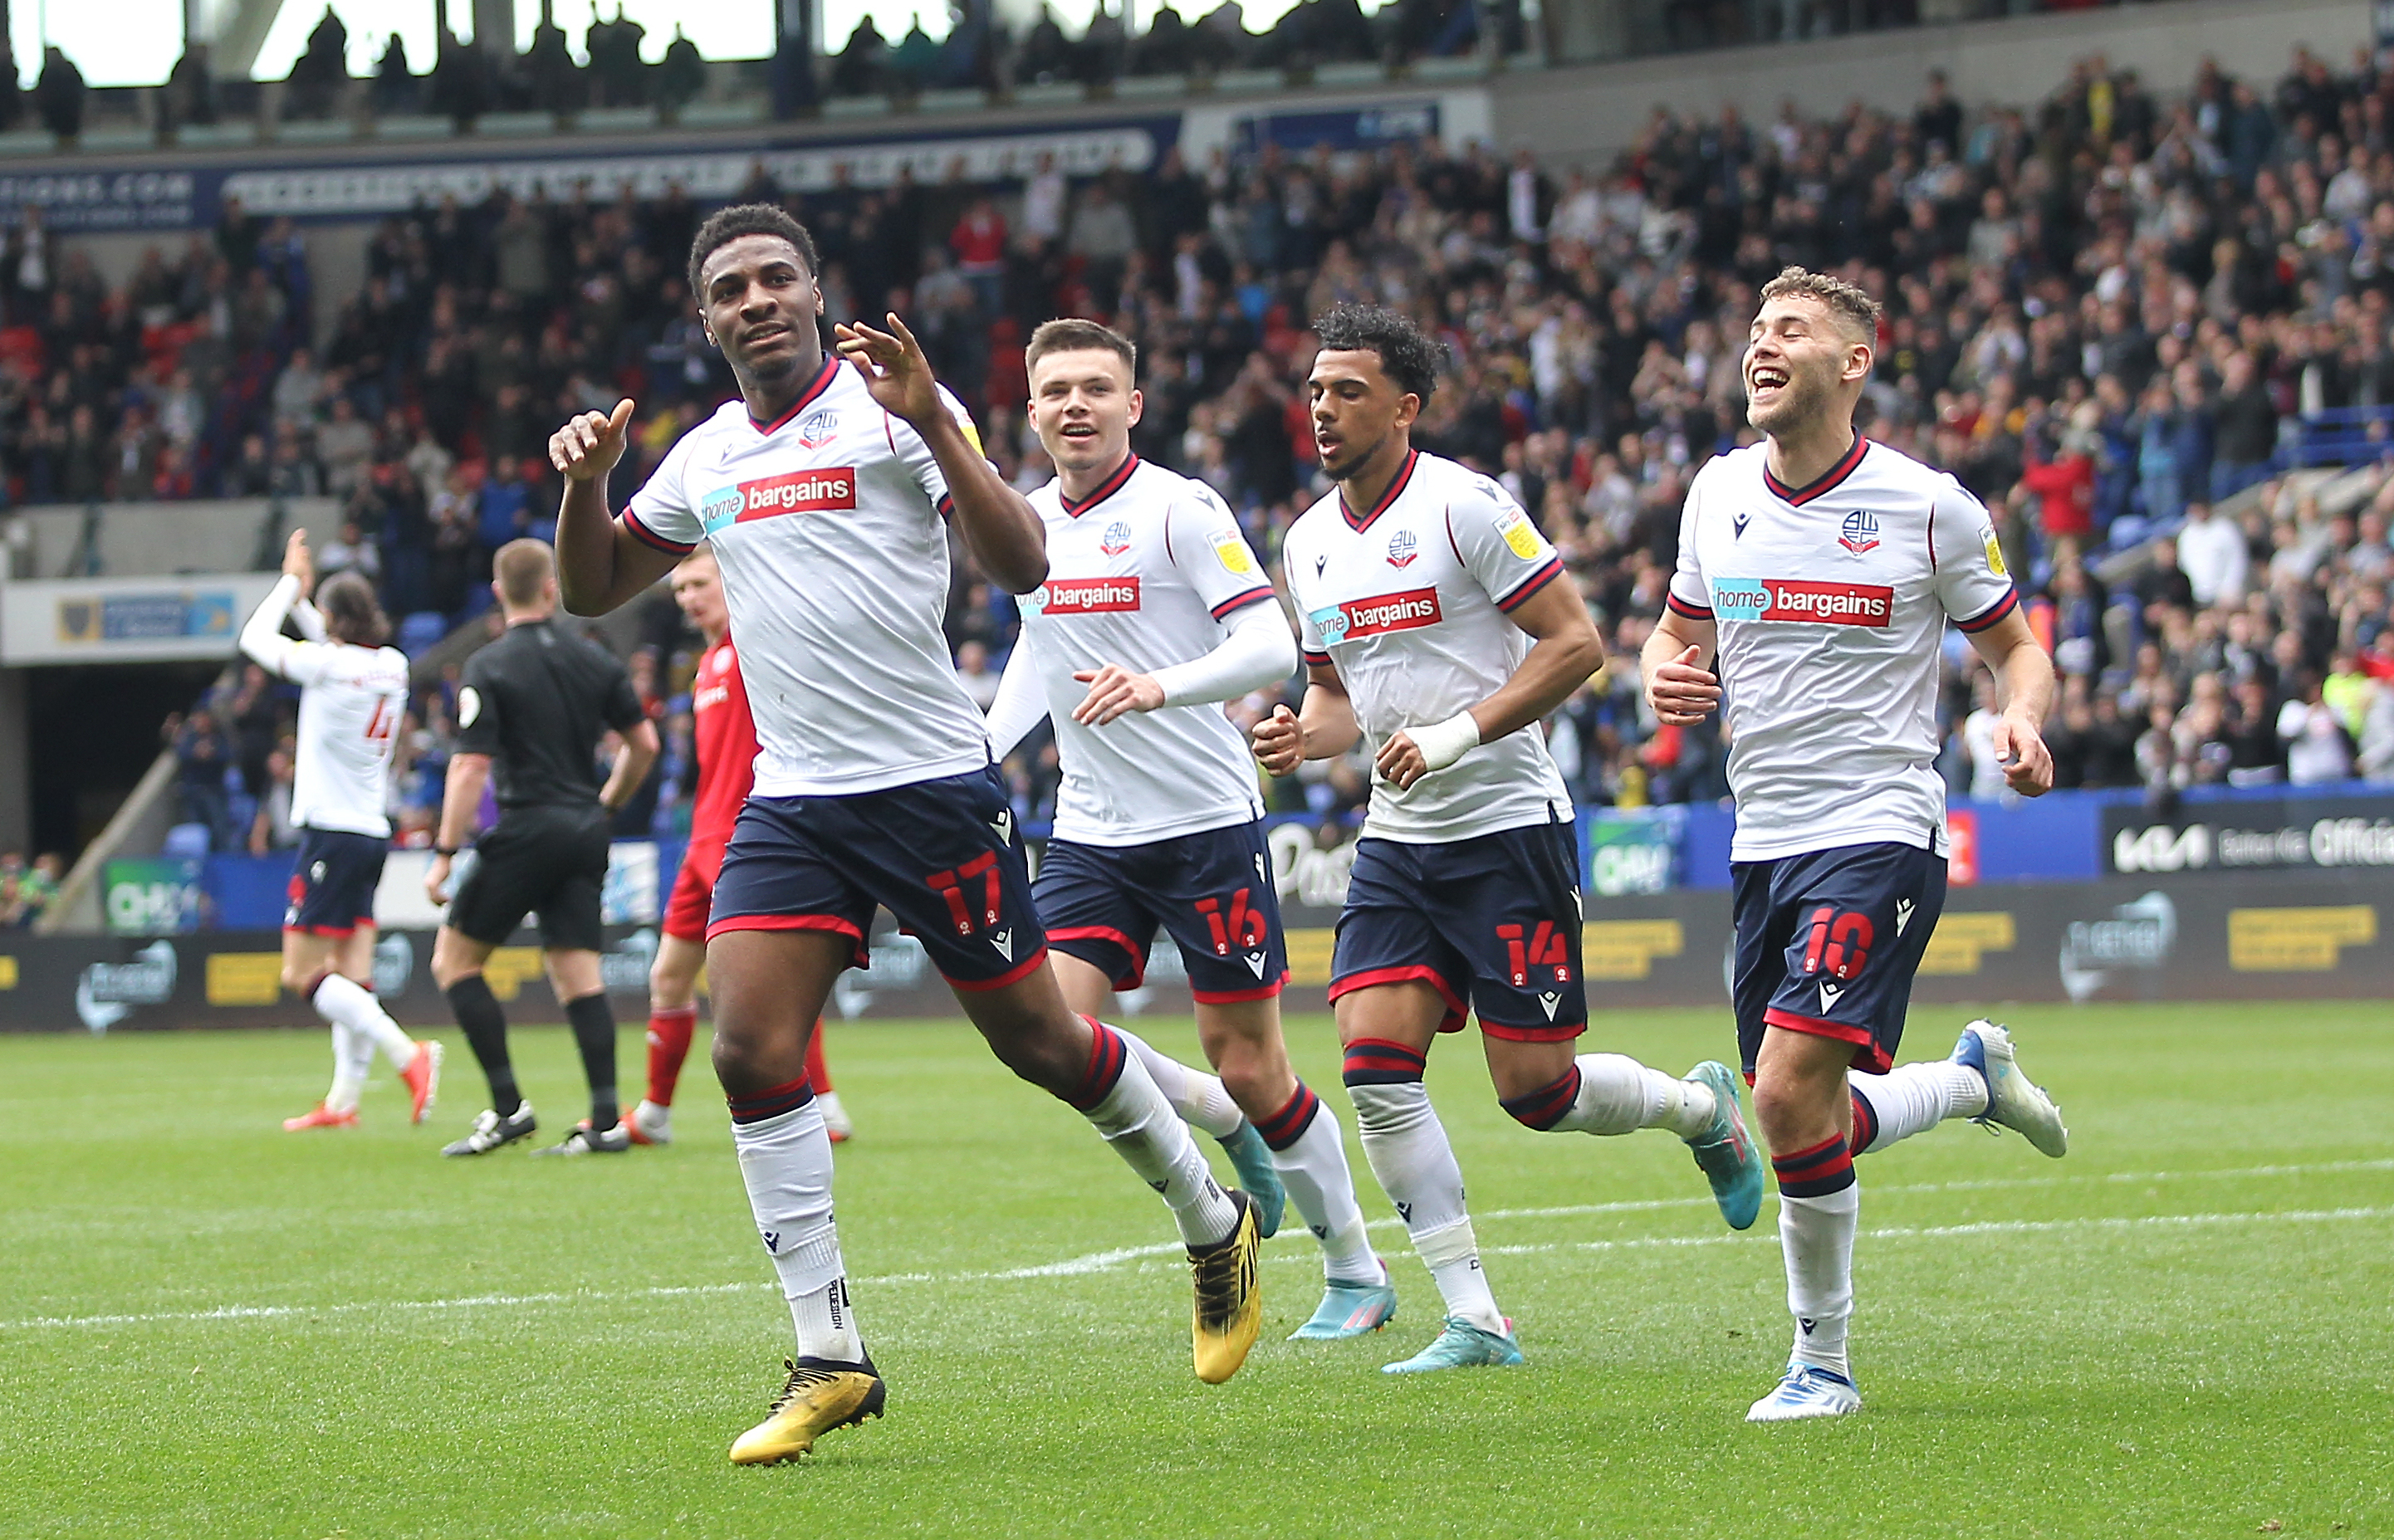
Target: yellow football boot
[(819, 1396), (1230, 1309)]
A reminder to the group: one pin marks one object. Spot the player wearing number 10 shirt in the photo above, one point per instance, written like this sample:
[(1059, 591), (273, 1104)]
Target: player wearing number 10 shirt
[(1438, 627), (1822, 570), (826, 493)]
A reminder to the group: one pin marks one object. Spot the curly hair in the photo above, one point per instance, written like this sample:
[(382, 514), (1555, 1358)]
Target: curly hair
[(1408, 355), (1855, 311), (351, 613), (726, 225)]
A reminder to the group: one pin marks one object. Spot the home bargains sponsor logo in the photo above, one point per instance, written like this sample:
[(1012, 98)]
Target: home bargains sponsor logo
[(1371, 617), (1784, 599), (1088, 596), (797, 491)]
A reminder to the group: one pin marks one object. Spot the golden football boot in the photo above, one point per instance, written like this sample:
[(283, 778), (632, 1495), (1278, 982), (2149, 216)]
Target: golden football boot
[(1230, 1309), (819, 1397)]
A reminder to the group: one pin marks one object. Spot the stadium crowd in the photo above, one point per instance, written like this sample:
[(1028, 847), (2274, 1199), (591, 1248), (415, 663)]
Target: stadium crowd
[(2104, 312)]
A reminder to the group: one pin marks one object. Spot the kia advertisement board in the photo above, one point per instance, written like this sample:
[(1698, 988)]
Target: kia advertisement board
[(2288, 832)]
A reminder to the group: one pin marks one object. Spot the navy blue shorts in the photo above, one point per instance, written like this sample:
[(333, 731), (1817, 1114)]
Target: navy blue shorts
[(1212, 890), (1491, 923), (1827, 943), (333, 884), (943, 856)]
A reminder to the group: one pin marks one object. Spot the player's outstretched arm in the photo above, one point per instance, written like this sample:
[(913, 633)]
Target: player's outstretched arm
[(1323, 728), (261, 635), (1681, 689), (2024, 683), (1005, 536), (600, 563), (1568, 651)]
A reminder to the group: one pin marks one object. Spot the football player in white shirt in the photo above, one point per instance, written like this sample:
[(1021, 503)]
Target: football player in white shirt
[(352, 698), (1440, 628), (1821, 569), (825, 492), (1154, 613)]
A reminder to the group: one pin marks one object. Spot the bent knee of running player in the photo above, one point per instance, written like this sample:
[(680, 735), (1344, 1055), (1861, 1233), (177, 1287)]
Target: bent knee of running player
[(1032, 1031), (768, 988), (1801, 1095), (1243, 1041)]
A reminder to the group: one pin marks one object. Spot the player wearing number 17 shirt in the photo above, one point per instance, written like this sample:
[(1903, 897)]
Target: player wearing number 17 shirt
[(1821, 570), (826, 492), (352, 696), (1154, 613), (1438, 627)]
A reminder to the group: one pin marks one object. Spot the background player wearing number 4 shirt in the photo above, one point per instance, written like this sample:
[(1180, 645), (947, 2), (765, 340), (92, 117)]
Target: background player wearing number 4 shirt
[(1153, 612), (1822, 568), (724, 740), (352, 693), (1438, 627), (826, 490)]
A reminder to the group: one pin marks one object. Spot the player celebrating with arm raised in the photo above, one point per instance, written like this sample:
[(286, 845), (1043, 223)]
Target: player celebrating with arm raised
[(353, 696), (825, 492), (725, 742), (1821, 568), (1438, 627), (1154, 612)]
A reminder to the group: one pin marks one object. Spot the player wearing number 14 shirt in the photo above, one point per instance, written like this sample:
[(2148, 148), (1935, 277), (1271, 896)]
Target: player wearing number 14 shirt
[(1440, 628), (827, 492), (1821, 570)]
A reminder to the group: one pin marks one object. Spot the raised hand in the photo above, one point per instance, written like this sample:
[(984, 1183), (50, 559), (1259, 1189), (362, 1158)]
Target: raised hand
[(299, 562), (588, 447), (895, 371)]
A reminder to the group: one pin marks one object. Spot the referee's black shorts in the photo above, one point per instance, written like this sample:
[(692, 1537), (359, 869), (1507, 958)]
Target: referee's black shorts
[(549, 861)]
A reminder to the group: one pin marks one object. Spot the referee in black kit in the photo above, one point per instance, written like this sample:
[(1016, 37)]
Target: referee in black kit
[(532, 710)]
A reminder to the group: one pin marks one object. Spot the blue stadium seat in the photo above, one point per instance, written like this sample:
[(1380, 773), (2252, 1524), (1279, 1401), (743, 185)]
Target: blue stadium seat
[(186, 839)]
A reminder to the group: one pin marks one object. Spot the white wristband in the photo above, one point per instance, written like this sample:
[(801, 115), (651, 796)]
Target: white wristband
[(1441, 744)]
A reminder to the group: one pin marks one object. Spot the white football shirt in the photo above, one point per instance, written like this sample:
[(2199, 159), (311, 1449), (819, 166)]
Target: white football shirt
[(1410, 603), (1143, 574), (829, 526), (1831, 601), (351, 701)]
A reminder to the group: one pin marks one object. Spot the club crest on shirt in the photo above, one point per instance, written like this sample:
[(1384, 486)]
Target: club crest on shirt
[(1860, 533), (1402, 548), (1116, 539), (818, 428)]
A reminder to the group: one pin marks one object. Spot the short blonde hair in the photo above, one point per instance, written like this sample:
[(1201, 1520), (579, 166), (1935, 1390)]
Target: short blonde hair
[(523, 567), (1857, 312)]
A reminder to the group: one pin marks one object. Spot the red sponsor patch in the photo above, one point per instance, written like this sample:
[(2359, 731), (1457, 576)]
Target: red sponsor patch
[(1789, 599), (1090, 595), (1405, 611), (800, 492)]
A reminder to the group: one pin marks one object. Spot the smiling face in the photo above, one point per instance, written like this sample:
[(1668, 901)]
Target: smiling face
[(1356, 408), (1083, 407), (760, 304), (1801, 361)]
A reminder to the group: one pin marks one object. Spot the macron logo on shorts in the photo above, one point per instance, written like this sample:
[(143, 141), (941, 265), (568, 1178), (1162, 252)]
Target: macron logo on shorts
[(1819, 603), (800, 492), (1408, 610), (1089, 595)]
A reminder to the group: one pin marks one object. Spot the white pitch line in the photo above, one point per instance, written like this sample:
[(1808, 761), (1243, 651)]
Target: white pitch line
[(1100, 1262)]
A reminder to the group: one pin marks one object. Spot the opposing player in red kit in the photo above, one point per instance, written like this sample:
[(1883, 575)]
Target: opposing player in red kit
[(725, 746)]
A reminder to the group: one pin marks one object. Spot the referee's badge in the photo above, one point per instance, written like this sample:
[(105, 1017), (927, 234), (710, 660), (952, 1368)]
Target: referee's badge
[(469, 705)]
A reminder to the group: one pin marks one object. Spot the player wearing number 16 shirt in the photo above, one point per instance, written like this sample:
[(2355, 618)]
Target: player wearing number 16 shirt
[(352, 696), (1820, 570), (827, 492), (1154, 613), (1440, 628)]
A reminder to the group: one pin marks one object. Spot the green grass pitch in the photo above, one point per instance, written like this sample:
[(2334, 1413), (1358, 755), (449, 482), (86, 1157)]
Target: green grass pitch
[(211, 1328)]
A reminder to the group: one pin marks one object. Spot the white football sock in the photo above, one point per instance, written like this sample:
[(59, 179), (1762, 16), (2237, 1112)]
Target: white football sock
[(1618, 1095), (1314, 1172), (348, 1069), (785, 1163), (1149, 1135), (1409, 1152), (1915, 1098), (1200, 1098), (1817, 1236), (344, 1000)]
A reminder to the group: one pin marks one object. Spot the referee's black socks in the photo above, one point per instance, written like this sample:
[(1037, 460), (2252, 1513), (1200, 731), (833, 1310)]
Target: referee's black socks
[(485, 1026), (594, 1034)]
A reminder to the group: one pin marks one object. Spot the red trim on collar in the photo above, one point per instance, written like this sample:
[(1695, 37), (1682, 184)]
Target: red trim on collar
[(1797, 497), (1396, 490), (806, 398), (1114, 483)]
